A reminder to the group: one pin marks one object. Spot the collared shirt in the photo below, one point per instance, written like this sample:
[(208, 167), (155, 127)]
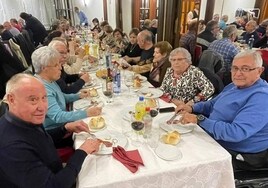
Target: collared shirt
[(227, 49), (82, 17), (191, 83)]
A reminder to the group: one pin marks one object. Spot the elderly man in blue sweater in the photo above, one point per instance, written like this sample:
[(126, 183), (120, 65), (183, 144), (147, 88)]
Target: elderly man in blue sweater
[(237, 117)]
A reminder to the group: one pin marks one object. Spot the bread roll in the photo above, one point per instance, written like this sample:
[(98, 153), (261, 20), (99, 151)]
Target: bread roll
[(93, 92), (137, 82), (172, 138), (97, 122)]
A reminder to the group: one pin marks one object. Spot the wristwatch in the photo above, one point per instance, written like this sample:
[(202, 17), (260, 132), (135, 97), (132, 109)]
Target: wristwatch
[(200, 118)]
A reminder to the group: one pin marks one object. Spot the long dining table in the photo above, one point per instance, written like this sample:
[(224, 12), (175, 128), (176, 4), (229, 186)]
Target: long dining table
[(202, 163)]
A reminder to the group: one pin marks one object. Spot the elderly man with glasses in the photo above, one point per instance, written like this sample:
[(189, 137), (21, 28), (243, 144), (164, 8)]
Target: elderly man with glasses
[(237, 117)]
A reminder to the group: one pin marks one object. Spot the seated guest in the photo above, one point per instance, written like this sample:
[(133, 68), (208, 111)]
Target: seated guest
[(261, 30), (145, 42), (102, 34), (237, 117), (250, 31), (96, 25), (5, 34), (28, 157), (263, 42), (121, 41), (201, 26), (188, 40), (13, 30), (160, 63), (184, 82), (239, 23), (226, 46), (15, 24), (51, 36), (133, 52), (69, 83), (46, 62), (108, 41), (208, 35), (223, 21), (153, 26)]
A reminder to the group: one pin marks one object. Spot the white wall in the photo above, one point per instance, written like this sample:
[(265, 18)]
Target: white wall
[(41, 9), (111, 13)]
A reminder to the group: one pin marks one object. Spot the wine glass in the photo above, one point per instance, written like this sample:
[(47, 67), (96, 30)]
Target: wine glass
[(138, 127), (107, 90)]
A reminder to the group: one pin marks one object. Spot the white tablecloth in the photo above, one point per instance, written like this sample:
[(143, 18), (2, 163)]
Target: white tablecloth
[(204, 162)]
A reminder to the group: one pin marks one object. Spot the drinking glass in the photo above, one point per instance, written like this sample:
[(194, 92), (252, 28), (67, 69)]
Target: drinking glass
[(129, 81), (107, 91), (137, 136)]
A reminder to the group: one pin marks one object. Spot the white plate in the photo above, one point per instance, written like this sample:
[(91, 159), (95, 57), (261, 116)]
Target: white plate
[(168, 152), (81, 104), (182, 129), (150, 93), (114, 137), (89, 68), (89, 84)]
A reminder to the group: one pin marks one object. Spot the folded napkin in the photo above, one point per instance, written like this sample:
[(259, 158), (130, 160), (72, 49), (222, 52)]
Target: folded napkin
[(166, 97), (130, 159)]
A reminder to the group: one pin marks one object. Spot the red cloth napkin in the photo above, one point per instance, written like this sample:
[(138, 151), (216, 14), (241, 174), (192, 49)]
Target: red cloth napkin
[(130, 159), (166, 97)]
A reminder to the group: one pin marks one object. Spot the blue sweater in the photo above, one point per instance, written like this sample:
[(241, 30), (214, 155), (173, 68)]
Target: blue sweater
[(238, 118), (57, 114)]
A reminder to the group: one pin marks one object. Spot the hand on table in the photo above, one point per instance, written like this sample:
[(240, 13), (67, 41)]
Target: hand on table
[(90, 146), (188, 118), (76, 127), (182, 108), (85, 77), (94, 111), (84, 93)]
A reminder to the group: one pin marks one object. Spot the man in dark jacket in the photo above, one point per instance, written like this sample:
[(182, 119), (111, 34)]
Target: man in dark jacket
[(34, 26)]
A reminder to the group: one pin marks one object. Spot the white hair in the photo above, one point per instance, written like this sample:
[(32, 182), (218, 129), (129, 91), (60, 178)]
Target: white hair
[(42, 57), (255, 54), (185, 52)]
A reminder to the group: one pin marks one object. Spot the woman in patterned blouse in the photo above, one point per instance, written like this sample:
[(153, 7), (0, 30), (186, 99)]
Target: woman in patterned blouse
[(184, 82)]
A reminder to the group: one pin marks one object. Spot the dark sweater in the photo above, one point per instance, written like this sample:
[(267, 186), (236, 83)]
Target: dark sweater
[(28, 157)]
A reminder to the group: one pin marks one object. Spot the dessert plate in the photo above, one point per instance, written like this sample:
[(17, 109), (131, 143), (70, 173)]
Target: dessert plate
[(82, 104), (182, 129), (168, 152), (150, 93)]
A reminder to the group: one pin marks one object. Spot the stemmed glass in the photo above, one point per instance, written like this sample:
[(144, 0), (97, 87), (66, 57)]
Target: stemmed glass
[(107, 91)]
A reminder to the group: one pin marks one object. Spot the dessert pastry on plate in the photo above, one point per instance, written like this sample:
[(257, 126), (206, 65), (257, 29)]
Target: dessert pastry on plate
[(93, 92), (102, 73)]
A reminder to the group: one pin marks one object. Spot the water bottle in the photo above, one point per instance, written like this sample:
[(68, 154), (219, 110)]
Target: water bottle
[(251, 42), (140, 109), (116, 80), (147, 119)]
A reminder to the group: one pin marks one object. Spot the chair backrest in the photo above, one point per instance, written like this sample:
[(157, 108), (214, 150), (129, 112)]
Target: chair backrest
[(211, 60), (214, 79), (197, 54)]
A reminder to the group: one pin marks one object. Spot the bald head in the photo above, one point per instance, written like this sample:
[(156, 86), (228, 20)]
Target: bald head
[(145, 40), (26, 97)]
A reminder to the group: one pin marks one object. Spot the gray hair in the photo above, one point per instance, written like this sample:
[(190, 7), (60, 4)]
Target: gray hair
[(229, 31), (185, 53), (15, 81), (255, 54), (42, 57), (58, 41), (146, 35)]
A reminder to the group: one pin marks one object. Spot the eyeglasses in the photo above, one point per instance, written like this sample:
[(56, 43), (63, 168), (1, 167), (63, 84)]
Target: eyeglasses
[(178, 59), (56, 65), (243, 69)]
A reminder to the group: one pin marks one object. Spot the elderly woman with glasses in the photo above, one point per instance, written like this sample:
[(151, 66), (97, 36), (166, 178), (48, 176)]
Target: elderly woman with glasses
[(46, 62), (184, 82)]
